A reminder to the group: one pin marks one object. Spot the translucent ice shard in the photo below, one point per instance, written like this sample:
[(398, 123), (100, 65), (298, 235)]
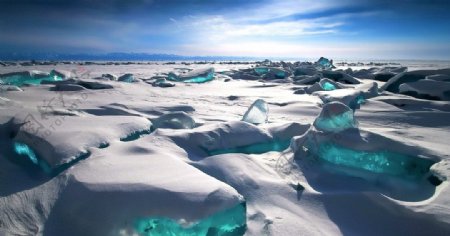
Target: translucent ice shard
[(195, 76), (360, 100), (229, 222), (375, 161), (335, 117), (258, 113), (328, 86), (174, 120), (325, 63), (172, 77), (261, 70), (279, 73), (129, 78)]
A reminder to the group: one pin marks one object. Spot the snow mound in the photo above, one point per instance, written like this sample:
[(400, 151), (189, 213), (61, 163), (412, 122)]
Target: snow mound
[(59, 143), (160, 193)]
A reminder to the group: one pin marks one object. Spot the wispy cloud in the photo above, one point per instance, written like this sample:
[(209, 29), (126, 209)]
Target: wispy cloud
[(221, 27)]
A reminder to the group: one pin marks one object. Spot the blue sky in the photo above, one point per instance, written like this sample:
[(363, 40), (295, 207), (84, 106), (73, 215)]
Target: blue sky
[(401, 29)]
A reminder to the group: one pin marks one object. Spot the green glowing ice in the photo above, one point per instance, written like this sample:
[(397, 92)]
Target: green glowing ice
[(280, 74), (23, 78), (360, 100), (325, 63), (25, 150), (336, 123), (201, 79), (231, 222), (172, 77), (259, 148), (328, 86), (195, 76), (261, 70), (375, 161)]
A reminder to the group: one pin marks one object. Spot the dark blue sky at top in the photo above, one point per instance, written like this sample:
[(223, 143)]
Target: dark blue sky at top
[(410, 29)]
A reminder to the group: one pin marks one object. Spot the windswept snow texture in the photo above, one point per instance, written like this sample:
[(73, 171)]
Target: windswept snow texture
[(190, 148)]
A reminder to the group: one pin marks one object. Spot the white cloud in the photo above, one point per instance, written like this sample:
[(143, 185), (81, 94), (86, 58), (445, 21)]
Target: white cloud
[(219, 25)]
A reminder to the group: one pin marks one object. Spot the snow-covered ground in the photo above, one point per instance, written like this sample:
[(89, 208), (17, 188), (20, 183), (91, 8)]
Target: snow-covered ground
[(365, 152)]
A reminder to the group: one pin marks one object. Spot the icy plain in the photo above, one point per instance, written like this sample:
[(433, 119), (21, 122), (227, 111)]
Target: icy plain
[(333, 151)]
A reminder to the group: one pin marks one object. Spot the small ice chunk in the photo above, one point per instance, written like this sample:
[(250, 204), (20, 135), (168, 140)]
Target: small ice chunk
[(325, 63), (307, 79), (60, 74), (261, 70), (305, 70), (195, 76), (110, 76), (129, 78), (323, 85), (174, 120), (258, 113), (163, 83), (279, 73), (328, 85), (335, 117)]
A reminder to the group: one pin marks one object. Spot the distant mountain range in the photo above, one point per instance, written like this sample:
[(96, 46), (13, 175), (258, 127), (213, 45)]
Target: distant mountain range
[(114, 57)]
